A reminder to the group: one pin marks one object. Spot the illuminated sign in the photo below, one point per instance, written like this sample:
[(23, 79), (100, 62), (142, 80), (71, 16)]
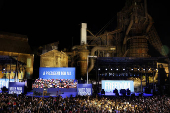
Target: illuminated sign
[(5, 82), (110, 85), (84, 89), (16, 87), (57, 73)]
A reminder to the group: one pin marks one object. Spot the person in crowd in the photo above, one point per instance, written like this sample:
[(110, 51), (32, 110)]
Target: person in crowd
[(83, 104)]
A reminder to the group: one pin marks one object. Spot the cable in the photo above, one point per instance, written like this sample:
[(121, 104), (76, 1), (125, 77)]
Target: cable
[(105, 26)]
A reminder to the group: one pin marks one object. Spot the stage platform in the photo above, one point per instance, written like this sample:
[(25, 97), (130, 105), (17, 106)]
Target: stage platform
[(113, 94), (63, 95)]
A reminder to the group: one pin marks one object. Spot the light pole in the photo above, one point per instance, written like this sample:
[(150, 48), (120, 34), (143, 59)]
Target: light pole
[(87, 65)]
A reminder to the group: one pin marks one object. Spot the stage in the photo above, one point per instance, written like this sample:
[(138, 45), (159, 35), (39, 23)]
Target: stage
[(108, 94), (63, 95), (68, 94)]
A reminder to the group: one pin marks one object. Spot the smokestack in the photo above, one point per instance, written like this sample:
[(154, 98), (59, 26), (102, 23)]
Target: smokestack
[(83, 39), (146, 10)]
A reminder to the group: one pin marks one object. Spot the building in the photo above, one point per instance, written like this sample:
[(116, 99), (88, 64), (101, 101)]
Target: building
[(54, 58), (16, 47)]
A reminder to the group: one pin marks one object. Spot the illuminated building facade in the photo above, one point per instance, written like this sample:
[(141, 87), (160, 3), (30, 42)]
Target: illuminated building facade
[(16, 47), (54, 58)]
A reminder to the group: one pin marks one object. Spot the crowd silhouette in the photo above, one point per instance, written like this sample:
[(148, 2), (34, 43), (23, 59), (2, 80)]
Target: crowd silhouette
[(83, 104)]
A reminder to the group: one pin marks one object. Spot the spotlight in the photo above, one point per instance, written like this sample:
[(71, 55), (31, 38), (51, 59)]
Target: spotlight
[(131, 69), (156, 69), (111, 69), (106, 69), (4, 69), (149, 69), (99, 69), (123, 69), (138, 69), (144, 69), (117, 69)]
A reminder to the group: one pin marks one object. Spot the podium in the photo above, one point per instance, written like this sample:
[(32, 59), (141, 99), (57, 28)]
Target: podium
[(45, 91)]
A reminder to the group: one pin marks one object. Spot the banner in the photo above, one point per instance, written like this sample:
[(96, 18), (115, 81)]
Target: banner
[(84, 89), (16, 87), (110, 85), (57, 73)]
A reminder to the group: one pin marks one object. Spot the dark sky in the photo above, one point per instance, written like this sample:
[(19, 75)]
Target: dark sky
[(48, 21)]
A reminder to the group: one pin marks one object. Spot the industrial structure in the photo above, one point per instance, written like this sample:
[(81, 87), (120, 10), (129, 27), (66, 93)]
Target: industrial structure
[(123, 53), (16, 57), (129, 43)]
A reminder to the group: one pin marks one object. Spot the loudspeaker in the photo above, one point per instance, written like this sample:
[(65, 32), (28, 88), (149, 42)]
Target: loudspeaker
[(133, 95), (102, 91), (161, 76), (123, 91)]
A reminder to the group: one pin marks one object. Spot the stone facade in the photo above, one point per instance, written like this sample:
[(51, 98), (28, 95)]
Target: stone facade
[(54, 58)]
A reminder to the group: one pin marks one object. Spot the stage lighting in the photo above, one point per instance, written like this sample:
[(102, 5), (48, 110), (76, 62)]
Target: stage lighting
[(117, 69), (123, 69), (149, 69), (138, 69), (144, 69), (110, 69), (156, 69), (99, 69), (106, 69), (4, 69), (131, 69)]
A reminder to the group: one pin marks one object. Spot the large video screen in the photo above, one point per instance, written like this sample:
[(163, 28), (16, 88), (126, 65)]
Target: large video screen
[(110, 85), (5, 82), (57, 73)]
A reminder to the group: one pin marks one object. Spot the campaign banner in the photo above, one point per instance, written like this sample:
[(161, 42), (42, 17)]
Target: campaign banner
[(16, 87), (57, 73), (5, 82), (84, 89), (110, 85)]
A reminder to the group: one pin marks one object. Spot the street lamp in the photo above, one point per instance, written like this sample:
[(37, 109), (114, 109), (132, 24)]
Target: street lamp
[(87, 65)]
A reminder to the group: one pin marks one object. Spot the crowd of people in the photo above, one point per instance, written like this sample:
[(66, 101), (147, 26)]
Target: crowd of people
[(83, 104), (55, 83)]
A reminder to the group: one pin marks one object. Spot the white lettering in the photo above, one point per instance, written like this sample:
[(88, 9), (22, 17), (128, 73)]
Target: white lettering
[(68, 73), (12, 88), (63, 73), (110, 86), (19, 88)]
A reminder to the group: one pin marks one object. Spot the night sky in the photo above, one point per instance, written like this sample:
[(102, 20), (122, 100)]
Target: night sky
[(48, 21)]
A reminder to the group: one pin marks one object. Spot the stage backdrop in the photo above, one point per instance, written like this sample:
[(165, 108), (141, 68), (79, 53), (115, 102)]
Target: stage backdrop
[(57, 73), (110, 85), (84, 89), (16, 87)]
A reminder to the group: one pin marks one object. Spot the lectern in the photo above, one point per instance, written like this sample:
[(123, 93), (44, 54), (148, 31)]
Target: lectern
[(45, 91)]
